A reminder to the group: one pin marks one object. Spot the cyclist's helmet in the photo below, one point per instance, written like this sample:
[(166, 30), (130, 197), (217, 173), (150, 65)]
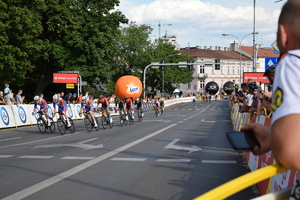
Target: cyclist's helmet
[(126, 97), (117, 99), (270, 71), (55, 97), (252, 86), (137, 99), (100, 96), (36, 98), (83, 98)]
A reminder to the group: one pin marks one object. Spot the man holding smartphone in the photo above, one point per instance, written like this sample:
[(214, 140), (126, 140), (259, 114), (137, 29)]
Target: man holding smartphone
[(283, 138)]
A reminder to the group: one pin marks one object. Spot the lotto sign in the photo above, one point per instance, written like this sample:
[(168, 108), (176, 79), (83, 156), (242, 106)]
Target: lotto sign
[(65, 78), (6, 116)]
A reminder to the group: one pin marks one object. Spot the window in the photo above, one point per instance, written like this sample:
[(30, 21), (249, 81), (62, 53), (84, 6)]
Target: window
[(248, 69), (202, 84), (213, 70), (189, 85), (222, 72), (228, 69), (202, 70), (238, 70), (232, 69)]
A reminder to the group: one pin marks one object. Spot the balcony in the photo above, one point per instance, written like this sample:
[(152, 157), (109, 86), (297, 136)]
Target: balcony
[(202, 75)]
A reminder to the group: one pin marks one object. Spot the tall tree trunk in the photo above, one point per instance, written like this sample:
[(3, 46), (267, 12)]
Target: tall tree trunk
[(45, 77)]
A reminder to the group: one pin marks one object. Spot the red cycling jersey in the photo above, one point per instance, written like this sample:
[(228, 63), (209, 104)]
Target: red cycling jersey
[(128, 102)]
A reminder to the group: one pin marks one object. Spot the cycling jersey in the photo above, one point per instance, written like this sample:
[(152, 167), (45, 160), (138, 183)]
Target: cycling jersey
[(138, 105), (104, 102), (61, 104), (43, 105), (128, 103), (162, 103), (120, 105), (88, 106)]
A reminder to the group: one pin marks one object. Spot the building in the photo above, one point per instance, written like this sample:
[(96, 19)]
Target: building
[(234, 61), (171, 39), (205, 71)]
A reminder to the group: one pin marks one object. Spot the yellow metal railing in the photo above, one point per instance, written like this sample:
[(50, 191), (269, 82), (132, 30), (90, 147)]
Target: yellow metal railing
[(242, 182)]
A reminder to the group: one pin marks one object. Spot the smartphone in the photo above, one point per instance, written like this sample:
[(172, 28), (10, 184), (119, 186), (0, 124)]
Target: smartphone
[(242, 140)]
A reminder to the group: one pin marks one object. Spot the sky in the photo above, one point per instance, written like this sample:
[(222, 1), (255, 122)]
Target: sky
[(202, 22)]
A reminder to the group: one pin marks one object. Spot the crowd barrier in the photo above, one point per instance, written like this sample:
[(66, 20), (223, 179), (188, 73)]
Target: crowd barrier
[(15, 116), (276, 183)]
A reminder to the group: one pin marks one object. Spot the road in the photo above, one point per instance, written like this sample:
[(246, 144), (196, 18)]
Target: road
[(178, 155)]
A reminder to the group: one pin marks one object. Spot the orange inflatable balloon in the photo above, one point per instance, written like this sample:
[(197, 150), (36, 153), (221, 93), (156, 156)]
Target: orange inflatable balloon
[(129, 86)]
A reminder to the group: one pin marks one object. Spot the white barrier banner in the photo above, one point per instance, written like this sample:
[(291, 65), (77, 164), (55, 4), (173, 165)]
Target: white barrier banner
[(22, 116), (6, 117)]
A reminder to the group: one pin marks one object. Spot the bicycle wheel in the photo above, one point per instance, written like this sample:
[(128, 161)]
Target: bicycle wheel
[(121, 121), (52, 127), (103, 122), (97, 128), (130, 119), (61, 126), (140, 116), (88, 123), (156, 113), (125, 120), (72, 128), (110, 124), (162, 110), (41, 125)]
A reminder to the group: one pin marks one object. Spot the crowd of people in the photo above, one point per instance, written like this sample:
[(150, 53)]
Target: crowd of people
[(7, 96), (251, 98)]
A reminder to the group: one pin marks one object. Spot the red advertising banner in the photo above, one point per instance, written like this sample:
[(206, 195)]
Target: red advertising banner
[(65, 78), (256, 76)]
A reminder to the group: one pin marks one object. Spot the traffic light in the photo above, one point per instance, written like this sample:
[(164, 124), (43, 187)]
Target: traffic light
[(217, 64), (190, 64), (162, 67)]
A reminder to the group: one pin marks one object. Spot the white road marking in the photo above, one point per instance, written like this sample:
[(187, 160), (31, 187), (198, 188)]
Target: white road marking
[(219, 161), (174, 160), (128, 159), (177, 147), (203, 120), (59, 177), (10, 139), (67, 135), (36, 157), (77, 158), (6, 156)]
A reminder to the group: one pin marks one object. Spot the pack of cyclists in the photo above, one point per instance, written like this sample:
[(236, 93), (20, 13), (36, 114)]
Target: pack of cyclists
[(126, 106)]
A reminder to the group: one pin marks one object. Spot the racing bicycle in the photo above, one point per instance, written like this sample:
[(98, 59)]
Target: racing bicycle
[(140, 115), (89, 123), (42, 123), (105, 120), (62, 124), (123, 118)]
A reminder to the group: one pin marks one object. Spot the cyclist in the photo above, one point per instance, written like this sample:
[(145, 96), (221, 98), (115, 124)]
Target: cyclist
[(194, 102), (104, 106), (156, 106), (128, 103), (120, 106), (43, 107), (62, 107), (87, 106), (139, 106), (162, 104)]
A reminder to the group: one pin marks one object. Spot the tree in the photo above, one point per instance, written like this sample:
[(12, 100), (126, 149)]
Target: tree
[(173, 75), (40, 37)]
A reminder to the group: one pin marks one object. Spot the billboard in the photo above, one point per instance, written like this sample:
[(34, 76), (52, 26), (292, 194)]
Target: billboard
[(256, 76), (65, 78)]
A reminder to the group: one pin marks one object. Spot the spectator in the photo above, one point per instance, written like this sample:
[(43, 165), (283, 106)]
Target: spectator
[(9, 98), (79, 99), (6, 89), (67, 97), (73, 98), (283, 137), (19, 98), (62, 94), (1, 98)]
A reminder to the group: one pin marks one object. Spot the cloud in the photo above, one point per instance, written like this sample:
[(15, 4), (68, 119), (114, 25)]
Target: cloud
[(196, 19)]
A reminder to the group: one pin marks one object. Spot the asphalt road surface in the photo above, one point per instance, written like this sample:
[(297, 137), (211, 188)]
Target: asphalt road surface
[(178, 155)]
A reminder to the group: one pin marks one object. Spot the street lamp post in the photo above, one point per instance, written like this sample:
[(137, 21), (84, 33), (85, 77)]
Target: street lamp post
[(163, 72), (240, 41)]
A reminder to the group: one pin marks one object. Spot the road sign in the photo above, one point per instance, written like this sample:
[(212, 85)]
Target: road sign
[(83, 83), (269, 61), (70, 86)]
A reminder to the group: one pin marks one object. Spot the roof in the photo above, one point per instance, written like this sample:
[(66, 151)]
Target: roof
[(261, 52), (207, 53)]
